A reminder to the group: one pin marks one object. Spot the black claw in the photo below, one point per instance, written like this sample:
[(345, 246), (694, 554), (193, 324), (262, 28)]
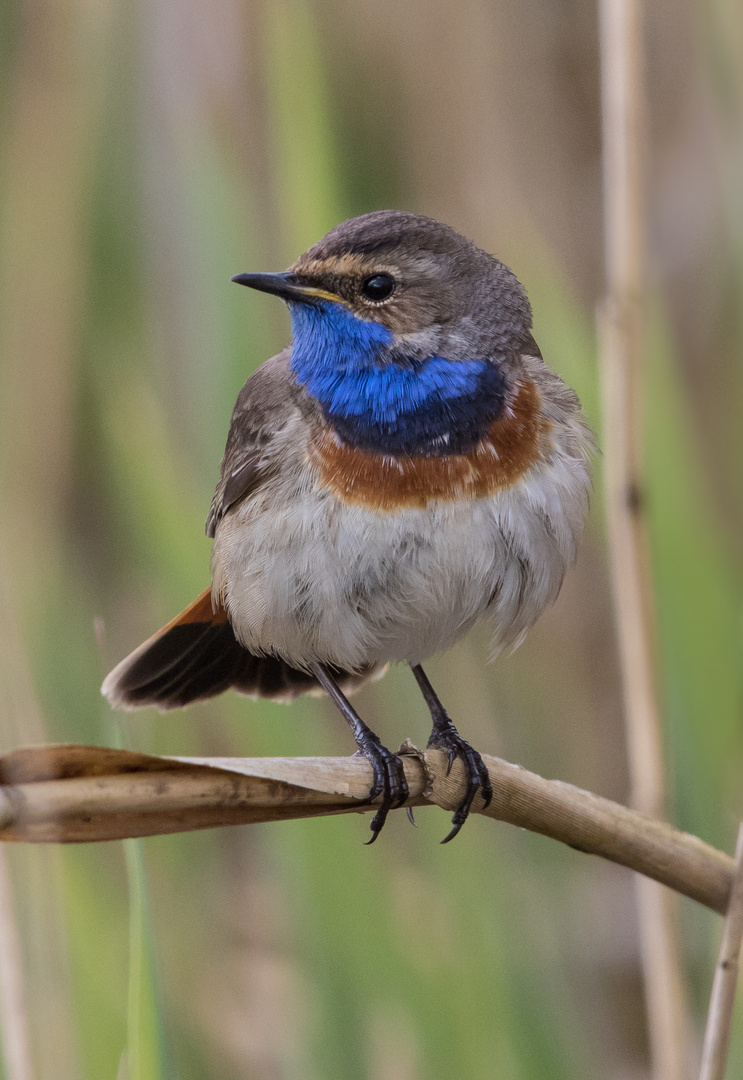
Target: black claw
[(389, 781), (411, 819), (446, 737), (376, 825), (453, 833)]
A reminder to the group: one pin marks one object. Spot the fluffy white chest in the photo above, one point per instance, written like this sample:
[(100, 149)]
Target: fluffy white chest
[(307, 576)]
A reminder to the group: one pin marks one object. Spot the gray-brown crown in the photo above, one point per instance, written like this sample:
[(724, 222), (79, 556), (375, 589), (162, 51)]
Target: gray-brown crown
[(471, 303)]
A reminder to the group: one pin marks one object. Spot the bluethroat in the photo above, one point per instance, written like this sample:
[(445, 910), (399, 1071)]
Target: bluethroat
[(406, 468)]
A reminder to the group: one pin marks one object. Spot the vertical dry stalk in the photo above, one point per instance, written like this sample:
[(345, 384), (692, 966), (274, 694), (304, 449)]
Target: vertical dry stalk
[(14, 1031), (622, 339), (720, 1016)]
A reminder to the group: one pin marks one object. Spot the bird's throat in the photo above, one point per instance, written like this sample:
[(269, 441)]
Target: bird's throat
[(379, 400)]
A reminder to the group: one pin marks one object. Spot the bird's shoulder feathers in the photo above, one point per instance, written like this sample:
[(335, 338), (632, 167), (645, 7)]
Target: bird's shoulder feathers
[(267, 403)]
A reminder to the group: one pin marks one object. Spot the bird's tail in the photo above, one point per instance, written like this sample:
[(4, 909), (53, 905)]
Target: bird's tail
[(197, 656)]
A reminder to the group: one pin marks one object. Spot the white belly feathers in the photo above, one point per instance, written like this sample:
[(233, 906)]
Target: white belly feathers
[(307, 576)]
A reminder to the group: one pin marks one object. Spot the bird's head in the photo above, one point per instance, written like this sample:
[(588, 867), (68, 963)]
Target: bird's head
[(395, 314), (434, 291)]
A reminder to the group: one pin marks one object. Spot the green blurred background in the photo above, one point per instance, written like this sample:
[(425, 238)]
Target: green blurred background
[(149, 152)]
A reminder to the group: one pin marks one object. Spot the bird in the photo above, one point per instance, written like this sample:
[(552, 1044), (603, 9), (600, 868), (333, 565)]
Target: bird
[(408, 467)]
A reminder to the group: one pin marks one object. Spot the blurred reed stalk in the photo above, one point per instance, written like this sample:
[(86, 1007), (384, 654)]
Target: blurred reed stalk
[(720, 1016), (15, 1040), (145, 1059), (622, 340)]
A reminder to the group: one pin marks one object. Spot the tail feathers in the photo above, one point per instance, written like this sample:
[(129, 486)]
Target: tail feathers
[(197, 656)]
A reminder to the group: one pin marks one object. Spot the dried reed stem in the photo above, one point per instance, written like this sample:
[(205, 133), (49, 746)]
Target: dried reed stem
[(720, 1016), (64, 794), (14, 1031), (622, 341)]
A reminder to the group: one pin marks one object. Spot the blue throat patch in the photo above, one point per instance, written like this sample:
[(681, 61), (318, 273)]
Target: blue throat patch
[(379, 401)]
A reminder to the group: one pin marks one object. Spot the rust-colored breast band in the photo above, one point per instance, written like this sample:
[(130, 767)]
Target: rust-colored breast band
[(513, 444)]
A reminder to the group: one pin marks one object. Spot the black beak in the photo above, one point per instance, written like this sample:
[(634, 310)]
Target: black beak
[(286, 286)]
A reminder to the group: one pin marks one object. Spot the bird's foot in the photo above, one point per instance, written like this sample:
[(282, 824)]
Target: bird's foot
[(389, 774), (389, 779), (446, 737)]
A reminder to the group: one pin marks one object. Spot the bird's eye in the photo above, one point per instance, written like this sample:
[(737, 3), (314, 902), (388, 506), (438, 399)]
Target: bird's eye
[(378, 287)]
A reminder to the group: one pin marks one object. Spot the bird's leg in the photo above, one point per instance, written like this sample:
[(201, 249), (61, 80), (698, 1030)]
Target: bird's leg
[(389, 775), (444, 736)]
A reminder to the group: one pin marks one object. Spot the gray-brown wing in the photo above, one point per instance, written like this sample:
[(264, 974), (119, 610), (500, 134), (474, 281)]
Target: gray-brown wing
[(264, 406), (530, 347)]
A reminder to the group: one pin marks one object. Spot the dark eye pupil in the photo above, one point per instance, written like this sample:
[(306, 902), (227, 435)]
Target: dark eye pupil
[(378, 286)]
